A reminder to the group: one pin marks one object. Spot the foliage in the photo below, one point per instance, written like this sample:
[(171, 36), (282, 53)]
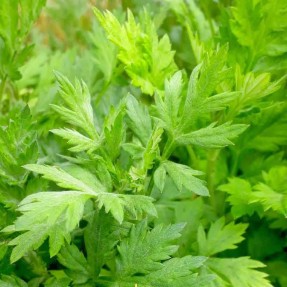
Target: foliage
[(143, 145)]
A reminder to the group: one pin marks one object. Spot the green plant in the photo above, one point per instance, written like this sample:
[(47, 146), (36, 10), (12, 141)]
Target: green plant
[(153, 167)]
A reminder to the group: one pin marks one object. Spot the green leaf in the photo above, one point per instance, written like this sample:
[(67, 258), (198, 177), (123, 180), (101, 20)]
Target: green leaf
[(213, 137), (100, 236), (203, 82), (243, 267), (9, 22), (114, 131), (240, 193), (30, 10), (134, 205), (105, 56), (147, 60), (47, 214), (184, 176), (139, 119), (220, 237), (266, 132), (75, 262), (143, 251), (272, 194), (77, 140), (149, 155), (79, 111), (168, 108), (219, 101), (12, 281), (254, 87), (18, 142), (260, 26), (177, 272), (63, 179), (160, 177), (62, 282)]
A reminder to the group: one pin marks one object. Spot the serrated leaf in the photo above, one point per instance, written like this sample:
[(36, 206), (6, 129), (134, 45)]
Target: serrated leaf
[(9, 22), (148, 61), (202, 83), (178, 272), (135, 205), (143, 250), (18, 142), (47, 214), (270, 199), (114, 131), (78, 141), (243, 267), (168, 107), (139, 119), (149, 155), (160, 177), (213, 136), (184, 176), (75, 262), (220, 237), (79, 111), (62, 178), (100, 236), (240, 193), (12, 281)]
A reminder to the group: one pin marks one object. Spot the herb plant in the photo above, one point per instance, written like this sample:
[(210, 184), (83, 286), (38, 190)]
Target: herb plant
[(143, 145)]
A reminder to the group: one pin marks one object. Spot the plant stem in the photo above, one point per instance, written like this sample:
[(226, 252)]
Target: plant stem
[(2, 87), (234, 166), (211, 172), (193, 157), (168, 149)]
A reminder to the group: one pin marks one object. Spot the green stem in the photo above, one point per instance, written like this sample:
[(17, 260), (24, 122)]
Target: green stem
[(192, 156), (2, 87), (211, 173), (234, 166), (168, 149), (150, 186)]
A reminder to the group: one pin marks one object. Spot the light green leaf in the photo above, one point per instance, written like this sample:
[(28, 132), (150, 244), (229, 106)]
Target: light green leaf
[(75, 262), (150, 154), (139, 119), (220, 237), (202, 83), (240, 193), (79, 111), (9, 22), (168, 107), (134, 205), (238, 272), (178, 272), (184, 176), (62, 178), (270, 199), (100, 237), (77, 140), (47, 214), (30, 10), (12, 281), (213, 136), (147, 60), (143, 250), (114, 131), (160, 177)]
